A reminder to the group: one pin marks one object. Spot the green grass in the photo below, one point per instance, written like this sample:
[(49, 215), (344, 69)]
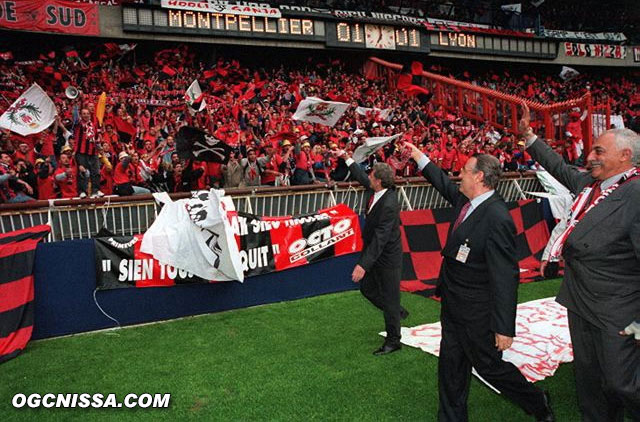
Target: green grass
[(300, 360)]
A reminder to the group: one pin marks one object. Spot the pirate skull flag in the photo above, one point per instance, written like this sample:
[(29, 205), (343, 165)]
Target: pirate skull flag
[(193, 143), (195, 235), (31, 113), (315, 110)]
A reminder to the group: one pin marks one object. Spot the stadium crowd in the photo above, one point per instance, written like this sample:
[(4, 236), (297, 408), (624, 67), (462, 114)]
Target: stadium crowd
[(250, 108)]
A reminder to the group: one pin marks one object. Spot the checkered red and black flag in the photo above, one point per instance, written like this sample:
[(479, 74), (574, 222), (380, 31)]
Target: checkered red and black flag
[(424, 234), (17, 255)]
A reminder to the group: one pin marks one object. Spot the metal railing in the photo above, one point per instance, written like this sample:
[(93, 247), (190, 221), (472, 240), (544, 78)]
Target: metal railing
[(83, 219)]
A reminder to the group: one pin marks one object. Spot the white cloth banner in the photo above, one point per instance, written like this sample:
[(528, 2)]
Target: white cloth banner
[(31, 113), (371, 145), (315, 110), (568, 73), (222, 7), (515, 8), (541, 344), (193, 94), (195, 235), (376, 113)]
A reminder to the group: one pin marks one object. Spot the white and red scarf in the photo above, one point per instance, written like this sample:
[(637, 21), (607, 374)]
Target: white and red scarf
[(582, 201)]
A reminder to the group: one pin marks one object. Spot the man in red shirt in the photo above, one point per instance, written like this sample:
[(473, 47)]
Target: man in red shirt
[(302, 174), (87, 147), (46, 183), (448, 158), (271, 163), (66, 177)]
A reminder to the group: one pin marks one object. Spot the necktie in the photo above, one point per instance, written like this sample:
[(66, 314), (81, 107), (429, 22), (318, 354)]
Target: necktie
[(596, 190), (463, 213), (370, 203)]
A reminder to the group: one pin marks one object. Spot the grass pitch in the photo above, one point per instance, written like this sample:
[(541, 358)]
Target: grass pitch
[(308, 359)]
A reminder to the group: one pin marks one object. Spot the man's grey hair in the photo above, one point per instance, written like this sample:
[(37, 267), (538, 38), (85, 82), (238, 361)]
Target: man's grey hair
[(490, 167), (385, 174), (627, 139)]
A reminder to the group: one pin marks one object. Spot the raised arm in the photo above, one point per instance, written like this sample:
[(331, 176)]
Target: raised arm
[(356, 170), (566, 174), (435, 175)]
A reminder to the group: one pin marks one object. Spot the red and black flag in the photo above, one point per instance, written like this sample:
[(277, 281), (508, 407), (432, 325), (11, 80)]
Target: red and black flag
[(17, 256), (409, 81), (167, 72), (126, 131), (194, 143), (424, 234)]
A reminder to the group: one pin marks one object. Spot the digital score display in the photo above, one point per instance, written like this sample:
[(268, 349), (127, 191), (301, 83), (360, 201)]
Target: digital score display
[(222, 24), (379, 37), (493, 45)]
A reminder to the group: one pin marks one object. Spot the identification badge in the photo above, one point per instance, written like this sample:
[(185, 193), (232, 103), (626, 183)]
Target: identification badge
[(463, 253)]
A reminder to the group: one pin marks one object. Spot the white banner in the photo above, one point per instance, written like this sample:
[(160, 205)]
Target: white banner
[(568, 73), (315, 110), (31, 113), (541, 344), (574, 49), (222, 7), (514, 8), (194, 94), (572, 35), (195, 235), (636, 54), (375, 113), (371, 145)]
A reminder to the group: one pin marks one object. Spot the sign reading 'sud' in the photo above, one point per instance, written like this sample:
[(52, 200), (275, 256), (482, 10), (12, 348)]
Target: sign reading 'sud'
[(50, 16)]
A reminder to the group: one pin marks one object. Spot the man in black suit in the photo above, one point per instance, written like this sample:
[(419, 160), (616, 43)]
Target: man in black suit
[(380, 265), (478, 284), (601, 285)]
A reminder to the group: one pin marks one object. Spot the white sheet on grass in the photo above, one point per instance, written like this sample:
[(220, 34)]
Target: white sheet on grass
[(541, 344)]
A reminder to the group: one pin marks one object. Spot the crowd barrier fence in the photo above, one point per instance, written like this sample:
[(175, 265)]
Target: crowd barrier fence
[(83, 218)]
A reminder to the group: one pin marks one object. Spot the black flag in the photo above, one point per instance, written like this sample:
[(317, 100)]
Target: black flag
[(197, 144)]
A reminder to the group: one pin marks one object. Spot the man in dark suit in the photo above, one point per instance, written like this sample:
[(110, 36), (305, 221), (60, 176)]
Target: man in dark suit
[(601, 286), (380, 265), (478, 284)]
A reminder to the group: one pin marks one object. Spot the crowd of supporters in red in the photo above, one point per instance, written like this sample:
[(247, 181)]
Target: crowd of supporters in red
[(250, 108)]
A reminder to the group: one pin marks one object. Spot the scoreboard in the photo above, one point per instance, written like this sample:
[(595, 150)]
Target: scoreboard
[(225, 20), (314, 29)]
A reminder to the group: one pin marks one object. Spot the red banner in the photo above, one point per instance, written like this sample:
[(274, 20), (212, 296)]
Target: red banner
[(267, 244), (62, 16)]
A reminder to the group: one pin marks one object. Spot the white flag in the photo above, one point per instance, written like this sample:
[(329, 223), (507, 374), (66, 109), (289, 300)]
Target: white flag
[(568, 73), (31, 113), (370, 146), (195, 235), (193, 95), (375, 113), (516, 7), (315, 110)]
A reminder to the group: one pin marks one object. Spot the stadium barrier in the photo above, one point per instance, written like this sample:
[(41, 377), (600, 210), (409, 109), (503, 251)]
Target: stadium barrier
[(500, 109), (83, 218)]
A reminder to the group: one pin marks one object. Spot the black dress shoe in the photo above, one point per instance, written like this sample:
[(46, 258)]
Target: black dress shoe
[(547, 416), (387, 348), (404, 314)]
